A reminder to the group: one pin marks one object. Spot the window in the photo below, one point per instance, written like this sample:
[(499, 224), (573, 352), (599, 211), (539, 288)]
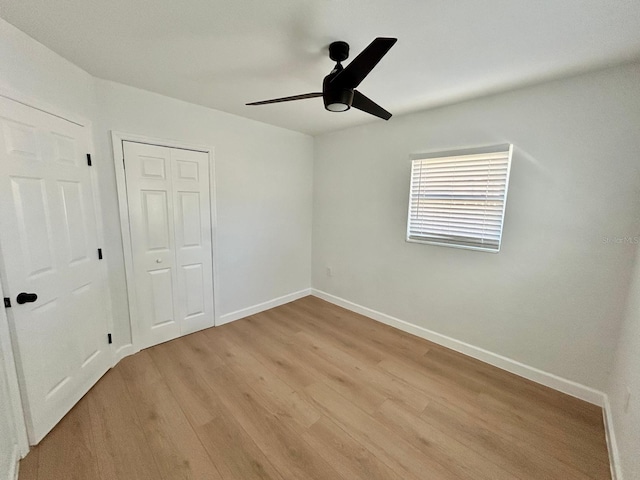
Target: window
[(458, 198)]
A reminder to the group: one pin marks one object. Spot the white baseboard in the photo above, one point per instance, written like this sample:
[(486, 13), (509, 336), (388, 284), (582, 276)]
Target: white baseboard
[(563, 385), (612, 444), (125, 351), (261, 307)]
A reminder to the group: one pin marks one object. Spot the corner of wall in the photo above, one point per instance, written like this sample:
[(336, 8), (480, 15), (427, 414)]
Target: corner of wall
[(612, 444)]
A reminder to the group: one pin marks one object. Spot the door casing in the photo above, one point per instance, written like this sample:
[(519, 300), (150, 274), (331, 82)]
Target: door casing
[(125, 228)]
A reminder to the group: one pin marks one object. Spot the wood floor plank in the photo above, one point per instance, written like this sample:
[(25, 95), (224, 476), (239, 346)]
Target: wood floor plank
[(279, 361), (274, 320), (537, 403), (68, 450), (512, 455), (238, 356), (386, 339), (536, 428), (352, 387), (309, 390), (196, 399), (176, 447), (237, 456), (315, 324), (284, 402), (581, 449), (388, 386), (122, 450), (286, 450), (350, 457), (199, 350), (394, 451), (276, 395), (511, 383), (462, 461)]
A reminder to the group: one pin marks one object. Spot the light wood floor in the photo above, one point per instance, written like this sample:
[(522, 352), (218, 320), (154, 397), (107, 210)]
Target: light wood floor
[(311, 391)]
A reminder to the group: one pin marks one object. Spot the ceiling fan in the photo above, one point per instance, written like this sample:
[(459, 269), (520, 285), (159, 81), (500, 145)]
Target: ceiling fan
[(339, 87)]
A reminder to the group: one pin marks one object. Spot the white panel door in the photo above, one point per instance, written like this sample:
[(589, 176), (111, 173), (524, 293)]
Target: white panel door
[(48, 239), (169, 215)]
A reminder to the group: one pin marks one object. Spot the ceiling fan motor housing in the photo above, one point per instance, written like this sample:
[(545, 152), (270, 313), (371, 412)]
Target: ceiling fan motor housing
[(336, 95)]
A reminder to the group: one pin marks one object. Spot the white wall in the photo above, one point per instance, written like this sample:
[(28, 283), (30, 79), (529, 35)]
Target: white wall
[(263, 194), (33, 70), (554, 296), (626, 375)]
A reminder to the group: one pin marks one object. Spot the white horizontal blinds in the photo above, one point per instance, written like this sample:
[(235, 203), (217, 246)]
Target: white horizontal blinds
[(459, 200)]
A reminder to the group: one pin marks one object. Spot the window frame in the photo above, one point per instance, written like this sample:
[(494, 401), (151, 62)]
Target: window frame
[(506, 148)]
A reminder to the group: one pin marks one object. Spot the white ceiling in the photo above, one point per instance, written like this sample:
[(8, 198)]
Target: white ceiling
[(224, 53)]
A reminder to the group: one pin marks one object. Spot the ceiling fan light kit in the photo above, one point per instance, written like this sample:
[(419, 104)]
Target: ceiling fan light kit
[(337, 100), (339, 87)]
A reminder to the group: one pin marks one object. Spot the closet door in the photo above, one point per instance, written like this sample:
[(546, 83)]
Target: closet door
[(192, 211), (169, 214)]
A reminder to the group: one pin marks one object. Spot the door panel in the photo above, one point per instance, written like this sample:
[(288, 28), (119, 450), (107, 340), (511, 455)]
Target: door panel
[(153, 167), (194, 287), (33, 224), (189, 230), (161, 296), (49, 245), (65, 149), (20, 140), (169, 210), (75, 221), (156, 217)]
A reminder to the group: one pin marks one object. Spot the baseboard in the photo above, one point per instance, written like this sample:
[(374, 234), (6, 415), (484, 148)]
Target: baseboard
[(15, 464), (125, 351), (563, 385), (261, 307), (612, 444)]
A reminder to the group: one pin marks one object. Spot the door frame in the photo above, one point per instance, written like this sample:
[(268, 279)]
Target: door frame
[(7, 337), (117, 139)]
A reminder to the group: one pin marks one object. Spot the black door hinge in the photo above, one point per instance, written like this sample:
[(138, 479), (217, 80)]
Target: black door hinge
[(109, 338), (99, 254), (124, 165), (89, 159), (7, 302)]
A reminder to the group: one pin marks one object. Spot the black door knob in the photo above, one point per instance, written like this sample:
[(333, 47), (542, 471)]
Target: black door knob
[(25, 297)]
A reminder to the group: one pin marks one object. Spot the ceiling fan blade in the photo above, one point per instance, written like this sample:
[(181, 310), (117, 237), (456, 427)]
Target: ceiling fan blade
[(360, 66), (288, 99), (369, 106)]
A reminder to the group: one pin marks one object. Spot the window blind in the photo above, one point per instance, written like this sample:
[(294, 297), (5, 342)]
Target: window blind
[(458, 198)]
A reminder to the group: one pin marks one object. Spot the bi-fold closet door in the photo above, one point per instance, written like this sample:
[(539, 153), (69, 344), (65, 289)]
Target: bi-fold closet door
[(169, 203)]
